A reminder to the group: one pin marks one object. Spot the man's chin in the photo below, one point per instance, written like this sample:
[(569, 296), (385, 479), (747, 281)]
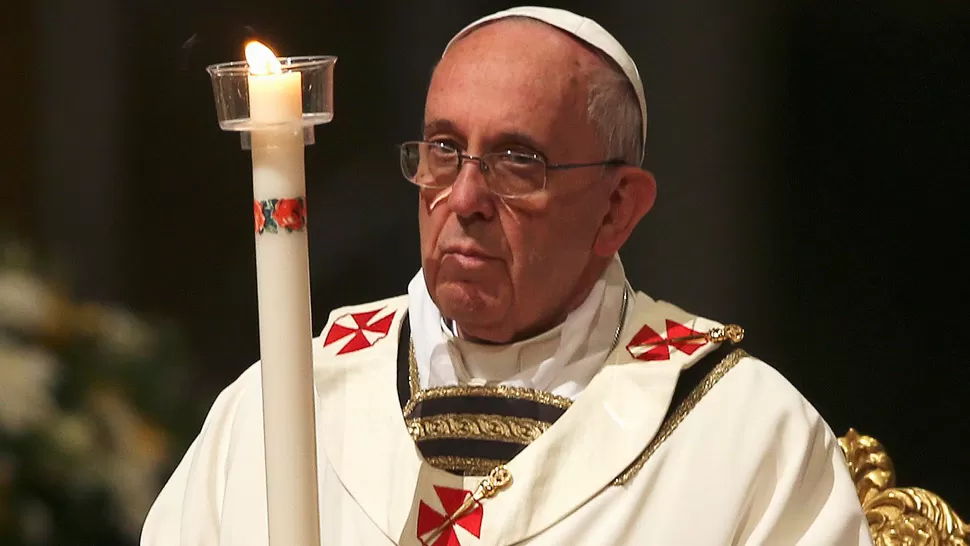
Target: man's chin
[(465, 302)]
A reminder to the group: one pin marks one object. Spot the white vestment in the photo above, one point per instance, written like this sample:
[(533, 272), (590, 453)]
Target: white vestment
[(745, 459)]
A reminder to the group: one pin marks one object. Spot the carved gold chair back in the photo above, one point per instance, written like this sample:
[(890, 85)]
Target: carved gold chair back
[(898, 516)]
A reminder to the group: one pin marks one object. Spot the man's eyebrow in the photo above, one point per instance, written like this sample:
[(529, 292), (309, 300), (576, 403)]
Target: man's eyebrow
[(515, 137), (504, 138), (439, 126)]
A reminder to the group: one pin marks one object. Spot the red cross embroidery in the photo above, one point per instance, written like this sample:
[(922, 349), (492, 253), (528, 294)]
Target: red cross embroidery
[(365, 330), (430, 520), (660, 345)]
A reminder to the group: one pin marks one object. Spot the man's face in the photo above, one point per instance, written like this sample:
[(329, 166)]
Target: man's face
[(506, 269)]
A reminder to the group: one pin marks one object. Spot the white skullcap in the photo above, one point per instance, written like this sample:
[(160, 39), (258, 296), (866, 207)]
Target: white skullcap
[(586, 30)]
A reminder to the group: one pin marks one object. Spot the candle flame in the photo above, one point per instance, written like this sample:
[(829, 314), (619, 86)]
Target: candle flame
[(262, 60)]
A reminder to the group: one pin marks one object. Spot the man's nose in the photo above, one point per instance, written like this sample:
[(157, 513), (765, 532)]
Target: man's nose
[(470, 195)]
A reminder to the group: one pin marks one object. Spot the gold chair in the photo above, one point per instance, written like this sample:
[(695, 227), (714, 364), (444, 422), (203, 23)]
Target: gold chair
[(898, 516)]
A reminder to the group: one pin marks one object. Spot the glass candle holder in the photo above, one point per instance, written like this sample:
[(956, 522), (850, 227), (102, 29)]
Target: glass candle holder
[(233, 85)]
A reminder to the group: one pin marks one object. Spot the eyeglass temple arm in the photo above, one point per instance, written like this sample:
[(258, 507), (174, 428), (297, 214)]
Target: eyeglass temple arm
[(563, 166)]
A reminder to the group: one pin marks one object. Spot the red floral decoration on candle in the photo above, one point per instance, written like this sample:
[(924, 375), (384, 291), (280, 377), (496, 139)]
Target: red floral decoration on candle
[(290, 214), (273, 215), (259, 216)]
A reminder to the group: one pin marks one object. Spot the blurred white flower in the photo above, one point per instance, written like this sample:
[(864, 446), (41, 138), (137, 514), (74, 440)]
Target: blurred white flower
[(26, 302), (75, 435), (27, 375), (101, 445), (138, 451), (74, 439), (124, 333)]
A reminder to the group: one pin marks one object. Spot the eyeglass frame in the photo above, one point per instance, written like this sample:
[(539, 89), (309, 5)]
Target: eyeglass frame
[(482, 167)]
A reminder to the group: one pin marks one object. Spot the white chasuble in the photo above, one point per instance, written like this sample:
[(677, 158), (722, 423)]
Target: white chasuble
[(741, 458)]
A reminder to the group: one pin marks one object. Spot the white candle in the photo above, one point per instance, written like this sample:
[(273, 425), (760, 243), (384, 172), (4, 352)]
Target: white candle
[(283, 284)]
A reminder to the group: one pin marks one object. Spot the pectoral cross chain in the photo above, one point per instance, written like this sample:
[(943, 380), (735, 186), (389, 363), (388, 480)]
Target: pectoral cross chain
[(499, 478)]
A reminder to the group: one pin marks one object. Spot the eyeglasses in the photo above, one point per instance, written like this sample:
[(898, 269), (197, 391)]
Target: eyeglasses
[(435, 165)]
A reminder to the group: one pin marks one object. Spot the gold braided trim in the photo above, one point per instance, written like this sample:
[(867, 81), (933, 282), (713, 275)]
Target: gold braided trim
[(413, 380), (465, 466), (516, 430), (495, 391), (670, 425)]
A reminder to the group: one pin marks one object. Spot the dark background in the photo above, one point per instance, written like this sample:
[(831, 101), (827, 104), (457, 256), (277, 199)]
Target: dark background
[(811, 158)]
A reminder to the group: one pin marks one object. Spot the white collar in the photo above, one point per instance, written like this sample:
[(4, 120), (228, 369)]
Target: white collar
[(561, 360)]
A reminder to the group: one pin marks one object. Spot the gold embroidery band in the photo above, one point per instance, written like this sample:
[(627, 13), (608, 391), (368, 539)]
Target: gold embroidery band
[(413, 380), (517, 430), (670, 425), (465, 466), (495, 391)]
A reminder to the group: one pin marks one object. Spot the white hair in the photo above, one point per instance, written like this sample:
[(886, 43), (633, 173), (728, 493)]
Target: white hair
[(614, 111)]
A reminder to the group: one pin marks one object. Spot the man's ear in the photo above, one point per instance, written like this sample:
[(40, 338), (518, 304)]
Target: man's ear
[(631, 199)]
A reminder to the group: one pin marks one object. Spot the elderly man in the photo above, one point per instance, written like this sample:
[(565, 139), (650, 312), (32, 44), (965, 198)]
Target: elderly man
[(522, 392)]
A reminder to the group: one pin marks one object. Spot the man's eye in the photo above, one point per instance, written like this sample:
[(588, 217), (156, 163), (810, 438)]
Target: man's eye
[(445, 145), (518, 157), (441, 150)]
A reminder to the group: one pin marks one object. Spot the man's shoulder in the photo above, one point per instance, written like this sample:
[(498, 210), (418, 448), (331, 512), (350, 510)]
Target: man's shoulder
[(732, 373), (751, 388), (352, 328), (373, 315), (362, 314), (755, 369)]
